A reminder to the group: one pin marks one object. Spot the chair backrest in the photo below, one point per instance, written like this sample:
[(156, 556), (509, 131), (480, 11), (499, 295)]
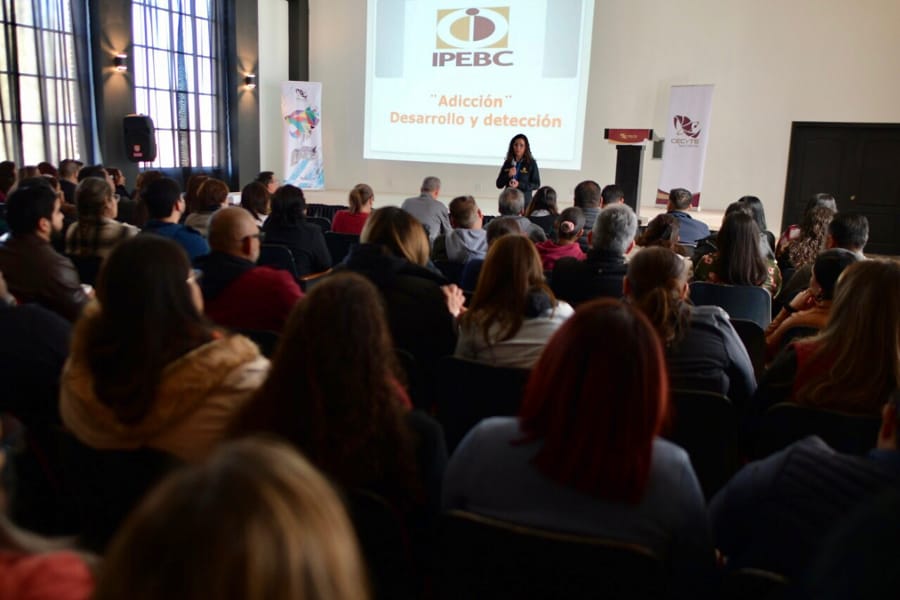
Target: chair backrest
[(752, 584), (323, 223), (88, 267), (786, 423), (481, 557), (705, 425), (468, 391), (339, 245), (739, 301), (754, 339), (451, 270), (277, 257), (546, 223), (323, 210)]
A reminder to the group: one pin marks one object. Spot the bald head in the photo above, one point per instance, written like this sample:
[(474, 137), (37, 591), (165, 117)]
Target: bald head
[(232, 230)]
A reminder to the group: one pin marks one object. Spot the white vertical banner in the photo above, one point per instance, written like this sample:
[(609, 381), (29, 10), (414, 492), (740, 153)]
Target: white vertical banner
[(301, 115), (684, 154)]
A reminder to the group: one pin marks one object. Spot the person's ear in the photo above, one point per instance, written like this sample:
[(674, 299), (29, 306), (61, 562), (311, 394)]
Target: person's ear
[(685, 290), (630, 247), (887, 434), (829, 242), (45, 225)]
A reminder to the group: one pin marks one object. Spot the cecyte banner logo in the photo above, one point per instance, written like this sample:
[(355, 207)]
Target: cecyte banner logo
[(472, 28), (685, 126), (471, 37)]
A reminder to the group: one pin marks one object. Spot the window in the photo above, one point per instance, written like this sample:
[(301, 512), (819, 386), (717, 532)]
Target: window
[(40, 106), (177, 82)]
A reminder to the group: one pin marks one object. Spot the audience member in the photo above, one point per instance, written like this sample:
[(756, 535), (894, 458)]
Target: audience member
[(352, 221), (34, 271), (612, 194), (237, 293), (35, 346), (759, 215), (254, 521), (8, 177), (569, 229), (793, 231), (703, 351), (776, 512), (146, 369), (496, 229), (847, 230), (118, 178), (144, 179), (212, 195), (738, 261), (96, 232), (813, 233), (662, 231), (811, 307), (191, 193), (583, 457), (29, 171), (287, 226), (268, 179), (256, 200), (513, 312), (853, 363), (602, 271), (164, 204), (589, 198), (467, 239), (690, 229), (428, 210), (542, 210), (421, 306), (511, 203), (68, 178), (355, 424)]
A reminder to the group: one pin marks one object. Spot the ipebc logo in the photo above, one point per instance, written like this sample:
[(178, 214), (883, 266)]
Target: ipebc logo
[(469, 37)]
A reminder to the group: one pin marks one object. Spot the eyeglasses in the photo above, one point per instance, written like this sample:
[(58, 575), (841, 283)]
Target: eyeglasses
[(195, 276)]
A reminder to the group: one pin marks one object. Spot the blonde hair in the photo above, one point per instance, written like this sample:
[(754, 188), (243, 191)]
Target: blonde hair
[(256, 522), (399, 232), (860, 345), (360, 195)]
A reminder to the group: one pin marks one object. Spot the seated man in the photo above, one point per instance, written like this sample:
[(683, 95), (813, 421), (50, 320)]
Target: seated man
[(236, 292), (165, 206), (34, 271), (602, 272), (775, 513), (512, 204), (690, 229), (467, 239), (428, 210)]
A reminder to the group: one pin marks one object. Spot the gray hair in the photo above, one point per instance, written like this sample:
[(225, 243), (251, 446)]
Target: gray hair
[(430, 184), (511, 201), (615, 228)]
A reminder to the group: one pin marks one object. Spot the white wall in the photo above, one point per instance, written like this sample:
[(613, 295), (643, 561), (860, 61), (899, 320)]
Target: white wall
[(772, 62)]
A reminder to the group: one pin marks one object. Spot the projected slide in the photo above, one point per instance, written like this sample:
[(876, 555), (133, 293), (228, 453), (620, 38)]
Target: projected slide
[(452, 82)]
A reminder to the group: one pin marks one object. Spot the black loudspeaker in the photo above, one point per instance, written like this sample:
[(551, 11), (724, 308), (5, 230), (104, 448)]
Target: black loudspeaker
[(140, 138)]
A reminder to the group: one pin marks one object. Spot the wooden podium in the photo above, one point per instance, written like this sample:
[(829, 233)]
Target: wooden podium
[(629, 160)]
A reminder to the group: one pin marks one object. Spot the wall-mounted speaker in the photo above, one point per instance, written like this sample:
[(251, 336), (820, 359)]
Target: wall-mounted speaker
[(140, 138)]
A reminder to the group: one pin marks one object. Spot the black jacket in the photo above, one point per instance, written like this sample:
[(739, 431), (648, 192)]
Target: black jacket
[(599, 275), (526, 172)]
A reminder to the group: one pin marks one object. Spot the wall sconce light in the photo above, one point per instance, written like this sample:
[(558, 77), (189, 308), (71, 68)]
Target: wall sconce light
[(250, 81), (119, 62)]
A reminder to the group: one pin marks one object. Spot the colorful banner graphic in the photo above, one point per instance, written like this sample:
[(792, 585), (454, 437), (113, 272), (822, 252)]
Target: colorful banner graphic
[(684, 153), (301, 113)]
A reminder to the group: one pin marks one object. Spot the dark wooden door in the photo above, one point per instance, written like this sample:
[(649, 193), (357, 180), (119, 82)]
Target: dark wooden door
[(857, 162)]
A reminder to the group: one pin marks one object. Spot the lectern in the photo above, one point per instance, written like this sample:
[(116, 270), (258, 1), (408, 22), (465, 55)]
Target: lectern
[(629, 156)]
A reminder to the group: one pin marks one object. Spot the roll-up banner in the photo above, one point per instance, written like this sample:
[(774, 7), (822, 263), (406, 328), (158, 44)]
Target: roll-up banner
[(684, 156), (301, 113)]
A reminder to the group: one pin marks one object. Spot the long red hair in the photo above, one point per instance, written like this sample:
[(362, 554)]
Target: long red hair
[(596, 399)]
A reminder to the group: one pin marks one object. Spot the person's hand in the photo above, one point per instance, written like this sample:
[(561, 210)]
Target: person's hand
[(455, 299), (803, 301), (514, 183), (511, 172)]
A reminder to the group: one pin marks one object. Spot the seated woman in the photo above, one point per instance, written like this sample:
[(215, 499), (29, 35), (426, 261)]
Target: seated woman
[(357, 427), (352, 221), (569, 228), (792, 233), (662, 231), (703, 351), (287, 226), (96, 232), (542, 209), (421, 306), (257, 200), (767, 238), (145, 368), (738, 260), (583, 455), (811, 307), (255, 521), (513, 312), (211, 196), (853, 363), (813, 235)]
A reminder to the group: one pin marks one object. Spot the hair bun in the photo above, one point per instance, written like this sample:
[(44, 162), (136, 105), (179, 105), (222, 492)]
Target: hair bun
[(567, 226)]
